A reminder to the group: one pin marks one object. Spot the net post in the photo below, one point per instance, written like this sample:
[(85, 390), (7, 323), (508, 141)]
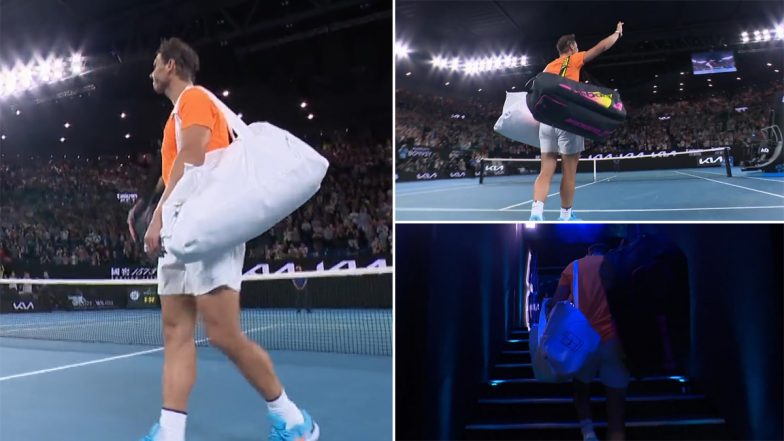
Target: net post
[(481, 171), (726, 154), (594, 169)]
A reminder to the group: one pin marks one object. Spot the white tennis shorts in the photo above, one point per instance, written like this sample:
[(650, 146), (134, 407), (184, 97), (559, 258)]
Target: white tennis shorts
[(198, 278), (554, 140), (608, 361), (201, 277)]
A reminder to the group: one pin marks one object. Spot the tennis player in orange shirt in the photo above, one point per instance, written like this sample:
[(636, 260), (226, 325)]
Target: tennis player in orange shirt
[(608, 361), (555, 141), (210, 287)]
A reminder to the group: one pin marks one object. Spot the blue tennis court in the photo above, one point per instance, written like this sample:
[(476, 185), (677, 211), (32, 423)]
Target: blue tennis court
[(78, 375), (689, 194)]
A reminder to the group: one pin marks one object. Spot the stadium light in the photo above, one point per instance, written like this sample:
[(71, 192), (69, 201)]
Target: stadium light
[(769, 64), (123, 115), (401, 50), (18, 112), (757, 36), (26, 77), (62, 139), (311, 116), (77, 66), (780, 32), (225, 93), (45, 71), (66, 125), (408, 74), (303, 104), (127, 136), (455, 65), (766, 35), (446, 84), (58, 67), (2, 137), (440, 62)]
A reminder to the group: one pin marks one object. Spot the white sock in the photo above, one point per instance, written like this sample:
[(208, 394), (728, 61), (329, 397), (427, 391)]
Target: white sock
[(537, 208), (172, 425), (286, 409), (587, 428), (566, 213)]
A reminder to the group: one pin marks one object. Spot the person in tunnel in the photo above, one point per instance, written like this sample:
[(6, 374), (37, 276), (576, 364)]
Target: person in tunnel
[(608, 360)]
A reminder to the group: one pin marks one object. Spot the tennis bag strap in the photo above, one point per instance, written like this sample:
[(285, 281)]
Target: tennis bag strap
[(575, 286), (564, 65)]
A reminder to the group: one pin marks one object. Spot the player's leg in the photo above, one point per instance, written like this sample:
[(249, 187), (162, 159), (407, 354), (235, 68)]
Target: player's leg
[(582, 396), (178, 319), (218, 280), (220, 311), (615, 376), (549, 151), (570, 147), (179, 354)]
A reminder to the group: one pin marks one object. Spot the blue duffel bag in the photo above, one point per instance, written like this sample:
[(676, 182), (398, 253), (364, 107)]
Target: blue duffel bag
[(584, 109)]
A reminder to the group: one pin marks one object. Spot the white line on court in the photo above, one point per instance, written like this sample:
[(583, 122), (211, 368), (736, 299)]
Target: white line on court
[(763, 207), (731, 185), (780, 181), (550, 195), (108, 359), (416, 192)]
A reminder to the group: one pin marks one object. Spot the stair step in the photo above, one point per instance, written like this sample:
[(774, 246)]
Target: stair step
[(561, 409), (532, 388), (636, 429), (512, 370), (515, 356), (516, 344)]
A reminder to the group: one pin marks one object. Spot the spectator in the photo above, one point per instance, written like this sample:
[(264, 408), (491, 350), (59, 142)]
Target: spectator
[(67, 212)]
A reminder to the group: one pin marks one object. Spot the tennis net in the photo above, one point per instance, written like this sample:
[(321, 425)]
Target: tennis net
[(596, 168), (343, 311)]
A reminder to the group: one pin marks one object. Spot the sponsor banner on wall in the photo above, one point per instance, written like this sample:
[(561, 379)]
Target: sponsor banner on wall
[(264, 267)]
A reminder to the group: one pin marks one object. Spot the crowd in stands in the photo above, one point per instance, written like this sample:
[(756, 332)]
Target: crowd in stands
[(444, 124), (58, 211)]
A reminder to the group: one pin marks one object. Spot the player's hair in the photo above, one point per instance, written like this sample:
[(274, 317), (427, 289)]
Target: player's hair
[(185, 58), (598, 248), (564, 43)]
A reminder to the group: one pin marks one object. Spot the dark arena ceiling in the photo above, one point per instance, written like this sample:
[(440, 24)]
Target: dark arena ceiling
[(336, 55)]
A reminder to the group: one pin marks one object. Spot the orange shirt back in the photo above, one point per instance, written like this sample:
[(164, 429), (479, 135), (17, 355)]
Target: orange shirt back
[(593, 298), (576, 62), (195, 108)]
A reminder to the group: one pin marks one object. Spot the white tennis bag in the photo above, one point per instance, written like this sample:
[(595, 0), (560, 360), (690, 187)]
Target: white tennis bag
[(568, 339), (516, 122), (241, 191), (542, 369)]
